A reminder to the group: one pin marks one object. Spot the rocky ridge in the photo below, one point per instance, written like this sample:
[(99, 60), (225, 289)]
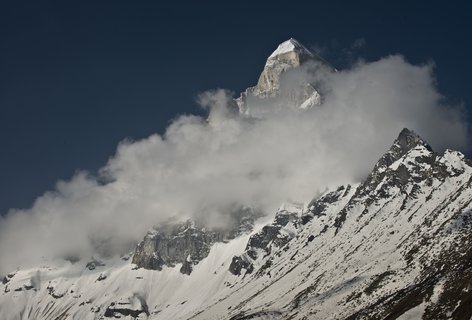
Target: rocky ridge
[(187, 243), (396, 246)]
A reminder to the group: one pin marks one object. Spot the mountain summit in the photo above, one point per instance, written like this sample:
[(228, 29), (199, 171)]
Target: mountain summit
[(285, 81), (292, 46)]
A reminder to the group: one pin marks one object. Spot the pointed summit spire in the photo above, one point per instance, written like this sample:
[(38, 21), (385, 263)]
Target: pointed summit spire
[(300, 93), (406, 141), (291, 45)]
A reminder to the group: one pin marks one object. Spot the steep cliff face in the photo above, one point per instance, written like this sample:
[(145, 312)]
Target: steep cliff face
[(284, 82), (186, 243), (271, 237), (289, 55)]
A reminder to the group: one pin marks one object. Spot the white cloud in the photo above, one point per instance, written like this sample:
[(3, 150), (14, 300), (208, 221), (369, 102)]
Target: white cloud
[(202, 168)]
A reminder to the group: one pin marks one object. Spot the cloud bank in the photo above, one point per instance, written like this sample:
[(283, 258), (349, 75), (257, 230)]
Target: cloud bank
[(202, 167)]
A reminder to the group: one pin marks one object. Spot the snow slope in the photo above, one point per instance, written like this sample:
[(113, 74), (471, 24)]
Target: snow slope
[(397, 245)]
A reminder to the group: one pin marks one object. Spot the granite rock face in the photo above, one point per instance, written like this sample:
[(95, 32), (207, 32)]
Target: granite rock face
[(284, 81)]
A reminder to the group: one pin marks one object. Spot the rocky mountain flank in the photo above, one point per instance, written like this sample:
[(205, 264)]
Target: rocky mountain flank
[(397, 245), (187, 243)]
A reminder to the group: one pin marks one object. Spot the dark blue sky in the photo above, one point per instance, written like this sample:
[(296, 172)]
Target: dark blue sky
[(78, 77)]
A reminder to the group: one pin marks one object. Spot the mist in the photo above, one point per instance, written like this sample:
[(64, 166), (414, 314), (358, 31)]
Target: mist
[(202, 166)]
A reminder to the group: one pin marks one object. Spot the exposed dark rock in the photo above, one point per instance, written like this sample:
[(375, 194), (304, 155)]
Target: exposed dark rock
[(53, 293), (92, 264), (111, 312), (187, 243), (118, 309), (238, 264), (7, 278), (101, 277), (388, 176), (377, 280), (184, 244), (270, 235), (186, 267)]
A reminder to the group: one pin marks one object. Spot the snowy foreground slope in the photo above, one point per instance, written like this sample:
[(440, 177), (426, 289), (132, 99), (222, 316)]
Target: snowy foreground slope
[(396, 246)]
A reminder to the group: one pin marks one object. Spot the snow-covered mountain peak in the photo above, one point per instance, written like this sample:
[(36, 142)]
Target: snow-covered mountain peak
[(408, 139), (285, 81), (291, 45)]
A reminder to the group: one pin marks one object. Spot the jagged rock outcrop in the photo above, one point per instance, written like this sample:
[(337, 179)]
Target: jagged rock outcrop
[(134, 306), (262, 243), (186, 243), (183, 243)]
